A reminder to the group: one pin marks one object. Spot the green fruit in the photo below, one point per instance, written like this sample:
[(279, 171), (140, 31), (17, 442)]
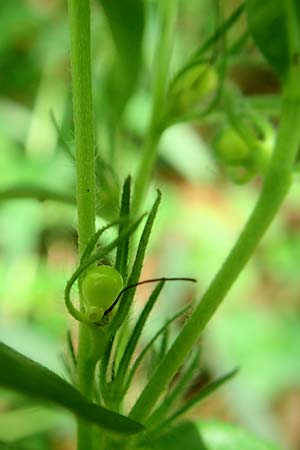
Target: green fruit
[(100, 287), (231, 148)]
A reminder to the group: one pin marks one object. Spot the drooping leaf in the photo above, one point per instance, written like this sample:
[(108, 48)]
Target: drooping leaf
[(126, 22), (270, 25), (30, 378)]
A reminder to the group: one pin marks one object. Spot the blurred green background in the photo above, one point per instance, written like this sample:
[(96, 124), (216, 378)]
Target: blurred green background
[(202, 212)]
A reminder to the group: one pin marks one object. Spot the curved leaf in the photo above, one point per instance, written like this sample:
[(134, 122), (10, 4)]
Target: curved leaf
[(20, 373), (270, 26)]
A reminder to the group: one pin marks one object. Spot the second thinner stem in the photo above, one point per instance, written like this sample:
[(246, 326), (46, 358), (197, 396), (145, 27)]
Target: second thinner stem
[(274, 190)]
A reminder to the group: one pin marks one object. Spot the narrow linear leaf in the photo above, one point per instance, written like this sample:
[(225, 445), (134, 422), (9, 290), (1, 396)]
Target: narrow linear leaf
[(21, 374), (202, 394), (136, 269), (61, 139), (136, 333), (163, 410), (71, 348), (94, 239), (197, 56), (149, 345), (104, 363), (163, 344), (123, 247)]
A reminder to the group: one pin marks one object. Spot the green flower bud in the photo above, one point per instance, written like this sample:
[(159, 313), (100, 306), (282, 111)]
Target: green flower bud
[(231, 148), (100, 287), (191, 88)]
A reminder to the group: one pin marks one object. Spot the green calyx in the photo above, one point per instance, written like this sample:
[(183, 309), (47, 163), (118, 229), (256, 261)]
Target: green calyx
[(100, 287), (192, 87), (231, 148), (243, 160)]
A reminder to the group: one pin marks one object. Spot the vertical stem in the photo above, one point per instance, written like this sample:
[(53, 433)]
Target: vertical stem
[(276, 186), (168, 12), (79, 22)]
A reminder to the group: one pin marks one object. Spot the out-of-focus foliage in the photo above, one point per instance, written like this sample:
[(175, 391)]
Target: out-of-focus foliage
[(207, 435), (201, 214)]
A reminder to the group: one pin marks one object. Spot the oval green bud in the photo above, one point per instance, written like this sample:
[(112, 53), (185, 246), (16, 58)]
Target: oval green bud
[(231, 148), (193, 87), (100, 287)]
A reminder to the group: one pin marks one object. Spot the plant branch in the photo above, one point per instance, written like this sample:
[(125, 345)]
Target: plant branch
[(275, 188)]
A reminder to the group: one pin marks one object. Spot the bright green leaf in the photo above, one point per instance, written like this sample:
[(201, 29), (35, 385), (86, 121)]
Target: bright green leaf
[(30, 378)]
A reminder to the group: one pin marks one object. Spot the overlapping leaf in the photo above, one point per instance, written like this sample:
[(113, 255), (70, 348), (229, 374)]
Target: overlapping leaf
[(20, 373)]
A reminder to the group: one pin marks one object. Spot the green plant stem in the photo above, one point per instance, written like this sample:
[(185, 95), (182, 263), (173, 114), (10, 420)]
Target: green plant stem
[(275, 188), (79, 22), (168, 12)]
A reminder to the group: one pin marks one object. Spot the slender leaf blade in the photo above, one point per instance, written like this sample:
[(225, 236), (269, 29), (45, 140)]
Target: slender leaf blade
[(123, 247), (149, 345), (202, 394), (136, 333), (24, 375), (136, 269), (163, 410)]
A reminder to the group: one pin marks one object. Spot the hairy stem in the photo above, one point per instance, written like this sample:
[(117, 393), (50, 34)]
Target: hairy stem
[(275, 188), (168, 11), (79, 22)]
